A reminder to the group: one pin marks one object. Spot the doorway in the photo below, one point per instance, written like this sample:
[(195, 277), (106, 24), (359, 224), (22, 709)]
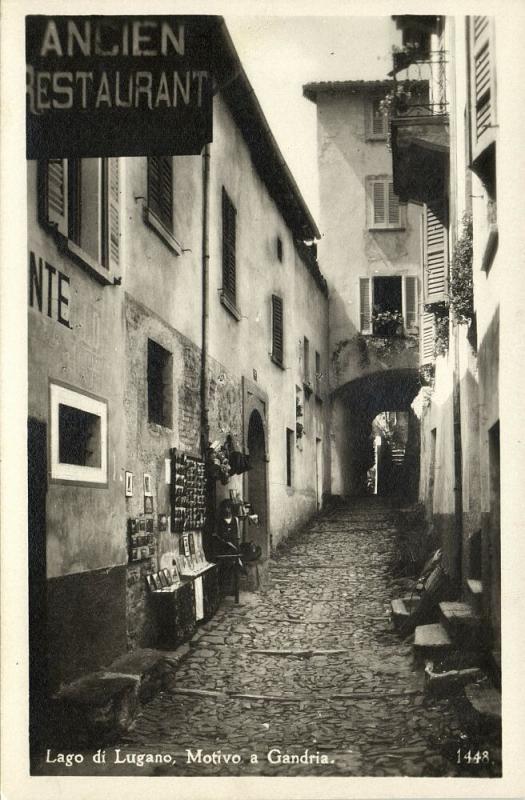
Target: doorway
[(319, 472), (256, 480)]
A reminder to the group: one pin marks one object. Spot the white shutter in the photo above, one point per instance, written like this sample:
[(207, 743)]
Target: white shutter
[(483, 84), (365, 305), (113, 209), (410, 302), (379, 202), (393, 206), (56, 194), (435, 252), (427, 338)]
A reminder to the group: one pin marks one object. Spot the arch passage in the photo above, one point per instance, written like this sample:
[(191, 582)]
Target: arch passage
[(354, 407)]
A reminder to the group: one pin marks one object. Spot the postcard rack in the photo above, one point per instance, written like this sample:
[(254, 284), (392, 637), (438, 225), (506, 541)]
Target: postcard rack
[(187, 492)]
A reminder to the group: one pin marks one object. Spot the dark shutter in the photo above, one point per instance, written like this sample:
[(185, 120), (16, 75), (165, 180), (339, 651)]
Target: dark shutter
[(410, 302), (113, 216), (277, 329), (365, 305), (435, 271), (160, 189), (56, 194), (228, 247)]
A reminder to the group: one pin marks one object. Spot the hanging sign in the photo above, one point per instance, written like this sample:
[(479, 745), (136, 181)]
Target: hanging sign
[(101, 86)]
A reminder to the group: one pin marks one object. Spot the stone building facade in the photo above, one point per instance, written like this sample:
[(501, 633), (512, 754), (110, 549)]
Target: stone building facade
[(131, 262), (370, 250)]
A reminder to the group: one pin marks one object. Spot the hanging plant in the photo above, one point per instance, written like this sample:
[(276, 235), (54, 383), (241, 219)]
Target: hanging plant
[(441, 333), (299, 430), (461, 289)]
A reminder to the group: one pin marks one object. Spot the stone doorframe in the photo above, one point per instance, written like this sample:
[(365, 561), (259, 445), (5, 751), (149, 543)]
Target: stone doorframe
[(256, 399)]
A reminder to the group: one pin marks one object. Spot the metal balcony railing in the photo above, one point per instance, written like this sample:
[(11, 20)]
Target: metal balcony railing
[(419, 83)]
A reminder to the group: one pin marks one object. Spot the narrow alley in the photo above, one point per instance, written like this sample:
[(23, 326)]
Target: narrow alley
[(309, 664)]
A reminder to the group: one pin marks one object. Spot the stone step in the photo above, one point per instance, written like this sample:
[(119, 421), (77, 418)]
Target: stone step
[(461, 623), (485, 703), (475, 594), (431, 641), (402, 608)]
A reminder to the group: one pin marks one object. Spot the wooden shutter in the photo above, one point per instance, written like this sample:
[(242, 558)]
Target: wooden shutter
[(482, 79), (393, 206), (113, 215), (435, 252), (376, 120), (410, 304), (427, 337), (365, 305), (56, 194), (379, 202), (229, 278), (160, 189), (277, 329)]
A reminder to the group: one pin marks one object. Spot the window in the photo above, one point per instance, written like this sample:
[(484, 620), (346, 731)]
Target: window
[(279, 249), (277, 330), (376, 121), (427, 338), (229, 256), (158, 212), (80, 201), (388, 305), (160, 385), (78, 436), (384, 208), (306, 361), (289, 456)]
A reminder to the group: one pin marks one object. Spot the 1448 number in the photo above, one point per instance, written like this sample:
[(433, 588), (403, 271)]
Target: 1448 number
[(471, 757)]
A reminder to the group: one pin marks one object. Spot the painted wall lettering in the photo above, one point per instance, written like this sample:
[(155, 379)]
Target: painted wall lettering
[(48, 290)]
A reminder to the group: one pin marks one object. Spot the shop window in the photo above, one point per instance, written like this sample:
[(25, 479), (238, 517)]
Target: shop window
[(376, 120), (384, 209), (388, 305), (279, 249), (277, 330), (160, 385), (80, 203), (289, 456), (229, 255), (78, 436)]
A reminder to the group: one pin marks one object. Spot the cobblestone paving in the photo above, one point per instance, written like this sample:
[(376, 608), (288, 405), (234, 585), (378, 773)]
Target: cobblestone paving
[(357, 708)]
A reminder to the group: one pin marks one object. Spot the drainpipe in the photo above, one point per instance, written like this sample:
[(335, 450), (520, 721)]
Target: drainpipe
[(205, 422)]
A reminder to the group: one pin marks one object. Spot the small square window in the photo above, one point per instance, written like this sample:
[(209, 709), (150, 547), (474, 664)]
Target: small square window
[(160, 385), (78, 436)]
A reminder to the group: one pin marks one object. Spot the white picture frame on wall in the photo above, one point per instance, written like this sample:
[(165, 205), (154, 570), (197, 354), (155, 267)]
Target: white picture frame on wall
[(78, 447)]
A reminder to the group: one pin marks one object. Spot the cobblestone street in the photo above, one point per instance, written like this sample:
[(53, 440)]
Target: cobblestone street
[(309, 663)]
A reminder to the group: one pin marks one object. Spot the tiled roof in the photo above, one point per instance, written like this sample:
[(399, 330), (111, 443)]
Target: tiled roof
[(311, 90)]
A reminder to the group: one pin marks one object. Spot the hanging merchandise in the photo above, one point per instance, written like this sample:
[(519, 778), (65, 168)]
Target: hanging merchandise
[(217, 462), (239, 462)]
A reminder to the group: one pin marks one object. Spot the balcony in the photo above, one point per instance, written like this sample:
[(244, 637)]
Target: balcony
[(419, 125)]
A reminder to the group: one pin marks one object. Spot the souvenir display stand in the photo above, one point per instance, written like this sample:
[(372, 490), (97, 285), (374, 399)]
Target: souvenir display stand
[(193, 595)]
